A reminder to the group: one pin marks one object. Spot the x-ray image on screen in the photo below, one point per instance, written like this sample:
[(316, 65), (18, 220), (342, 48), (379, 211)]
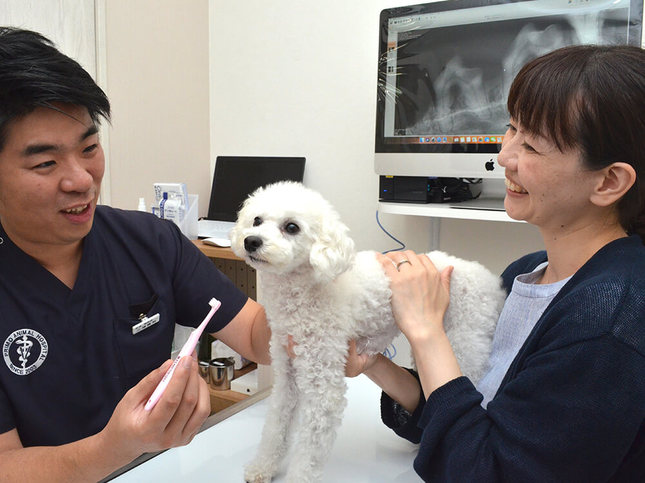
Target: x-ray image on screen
[(455, 79)]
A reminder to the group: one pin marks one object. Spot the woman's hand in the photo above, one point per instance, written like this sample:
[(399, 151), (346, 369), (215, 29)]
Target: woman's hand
[(420, 293), (420, 298), (398, 383)]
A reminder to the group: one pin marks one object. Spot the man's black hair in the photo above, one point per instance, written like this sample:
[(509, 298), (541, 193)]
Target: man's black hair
[(33, 73)]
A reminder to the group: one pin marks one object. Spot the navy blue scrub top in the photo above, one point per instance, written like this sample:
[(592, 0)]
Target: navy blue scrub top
[(69, 356)]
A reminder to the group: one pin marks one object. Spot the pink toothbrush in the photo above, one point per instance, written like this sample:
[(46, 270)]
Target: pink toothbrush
[(186, 350)]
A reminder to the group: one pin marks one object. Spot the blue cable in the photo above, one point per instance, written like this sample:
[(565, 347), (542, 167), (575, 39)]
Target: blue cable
[(390, 351), (390, 354), (402, 247)]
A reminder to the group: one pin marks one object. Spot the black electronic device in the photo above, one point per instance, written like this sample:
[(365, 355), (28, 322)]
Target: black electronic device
[(235, 178), (424, 189)]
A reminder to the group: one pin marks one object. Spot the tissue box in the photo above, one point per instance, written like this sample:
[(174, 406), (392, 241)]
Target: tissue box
[(176, 191)]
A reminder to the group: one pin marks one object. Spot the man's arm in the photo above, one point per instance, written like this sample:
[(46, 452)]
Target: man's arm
[(248, 333), (131, 431), (82, 460)]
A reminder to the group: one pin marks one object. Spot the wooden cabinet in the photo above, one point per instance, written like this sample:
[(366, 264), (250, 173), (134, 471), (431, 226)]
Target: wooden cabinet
[(232, 266)]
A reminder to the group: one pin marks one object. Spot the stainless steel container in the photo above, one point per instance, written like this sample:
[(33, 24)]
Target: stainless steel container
[(204, 371), (221, 371)]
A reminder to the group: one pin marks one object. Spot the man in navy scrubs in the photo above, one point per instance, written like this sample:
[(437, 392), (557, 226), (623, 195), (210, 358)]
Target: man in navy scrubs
[(89, 295)]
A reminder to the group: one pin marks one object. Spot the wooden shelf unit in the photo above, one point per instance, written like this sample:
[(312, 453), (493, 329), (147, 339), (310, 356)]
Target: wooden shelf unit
[(215, 252), (223, 399), (243, 276)]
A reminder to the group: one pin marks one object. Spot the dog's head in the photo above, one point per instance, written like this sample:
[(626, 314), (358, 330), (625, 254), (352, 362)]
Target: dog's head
[(287, 228)]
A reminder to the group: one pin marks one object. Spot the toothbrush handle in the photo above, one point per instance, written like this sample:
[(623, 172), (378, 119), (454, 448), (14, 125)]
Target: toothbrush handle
[(161, 387), (186, 350)]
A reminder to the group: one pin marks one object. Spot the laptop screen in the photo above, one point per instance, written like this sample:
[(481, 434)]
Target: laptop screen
[(238, 176)]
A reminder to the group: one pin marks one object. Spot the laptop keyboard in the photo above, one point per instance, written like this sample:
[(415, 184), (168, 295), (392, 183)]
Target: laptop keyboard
[(221, 226), (214, 228)]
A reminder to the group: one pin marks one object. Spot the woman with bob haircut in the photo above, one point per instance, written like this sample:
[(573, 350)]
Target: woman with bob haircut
[(564, 395)]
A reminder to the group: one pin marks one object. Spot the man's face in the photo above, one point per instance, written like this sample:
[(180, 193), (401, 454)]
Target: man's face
[(50, 176)]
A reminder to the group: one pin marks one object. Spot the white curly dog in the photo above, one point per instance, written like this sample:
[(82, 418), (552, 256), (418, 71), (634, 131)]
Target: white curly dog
[(319, 291)]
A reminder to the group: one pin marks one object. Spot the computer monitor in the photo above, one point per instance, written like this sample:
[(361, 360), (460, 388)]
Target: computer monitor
[(444, 70), (236, 177)]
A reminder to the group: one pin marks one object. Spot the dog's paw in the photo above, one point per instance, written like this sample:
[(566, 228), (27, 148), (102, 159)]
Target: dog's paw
[(256, 472)]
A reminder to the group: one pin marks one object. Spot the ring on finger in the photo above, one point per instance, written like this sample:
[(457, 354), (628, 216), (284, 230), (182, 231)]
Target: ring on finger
[(401, 262)]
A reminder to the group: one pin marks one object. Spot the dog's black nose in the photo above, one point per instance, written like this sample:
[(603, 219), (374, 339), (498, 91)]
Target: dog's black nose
[(252, 243)]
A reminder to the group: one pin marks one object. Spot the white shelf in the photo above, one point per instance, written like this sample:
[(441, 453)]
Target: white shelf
[(444, 210)]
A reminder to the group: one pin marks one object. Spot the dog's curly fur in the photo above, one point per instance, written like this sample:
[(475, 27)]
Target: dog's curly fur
[(319, 291)]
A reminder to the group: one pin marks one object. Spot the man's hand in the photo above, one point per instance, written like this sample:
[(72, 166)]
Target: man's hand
[(291, 344), (358, 363), (174, 421)]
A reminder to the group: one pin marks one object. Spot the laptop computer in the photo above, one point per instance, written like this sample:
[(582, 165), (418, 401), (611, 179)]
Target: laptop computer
[(235, 178)]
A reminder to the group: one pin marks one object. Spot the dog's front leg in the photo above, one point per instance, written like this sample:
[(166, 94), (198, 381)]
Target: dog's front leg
[(274, 442), (321, 383)]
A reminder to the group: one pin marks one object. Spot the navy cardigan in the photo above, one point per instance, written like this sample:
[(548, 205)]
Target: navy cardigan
[(572, 404)]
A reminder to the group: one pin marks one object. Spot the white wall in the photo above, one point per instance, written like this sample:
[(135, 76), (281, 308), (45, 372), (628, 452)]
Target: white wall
[(67, 23), (156, 54), (299, 78)]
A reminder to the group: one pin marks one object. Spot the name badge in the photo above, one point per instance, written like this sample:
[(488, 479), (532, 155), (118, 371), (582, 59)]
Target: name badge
[(145, 323)]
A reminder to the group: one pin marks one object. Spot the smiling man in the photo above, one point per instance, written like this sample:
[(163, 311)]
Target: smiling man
[(78, 279), (50, 179)]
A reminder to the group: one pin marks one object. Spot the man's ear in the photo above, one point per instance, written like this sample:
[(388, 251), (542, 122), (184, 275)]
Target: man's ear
[(616, 180)]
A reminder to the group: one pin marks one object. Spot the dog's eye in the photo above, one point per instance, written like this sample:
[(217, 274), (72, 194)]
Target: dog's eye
[(291, 228), (257, 221)]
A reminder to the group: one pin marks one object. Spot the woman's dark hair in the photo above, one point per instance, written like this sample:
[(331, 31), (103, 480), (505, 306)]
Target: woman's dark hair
[(33, 73), (591, 98)]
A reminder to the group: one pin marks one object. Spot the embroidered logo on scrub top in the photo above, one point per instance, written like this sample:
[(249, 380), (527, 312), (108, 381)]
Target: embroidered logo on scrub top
[(24, 351)]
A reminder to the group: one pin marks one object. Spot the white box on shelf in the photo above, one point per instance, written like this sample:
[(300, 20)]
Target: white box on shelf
[(176, 191), (246, 384)]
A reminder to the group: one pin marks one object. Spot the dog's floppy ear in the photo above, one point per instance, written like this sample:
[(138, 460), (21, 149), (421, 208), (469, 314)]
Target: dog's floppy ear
[(333, 252)]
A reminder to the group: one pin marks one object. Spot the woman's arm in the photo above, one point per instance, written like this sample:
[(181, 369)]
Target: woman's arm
[(394, 380), (420, 297)]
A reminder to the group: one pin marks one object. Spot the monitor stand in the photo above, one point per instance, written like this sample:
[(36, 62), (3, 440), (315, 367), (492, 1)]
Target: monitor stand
[(491, 197)]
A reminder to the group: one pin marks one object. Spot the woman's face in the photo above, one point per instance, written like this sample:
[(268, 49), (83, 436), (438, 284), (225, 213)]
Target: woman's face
[(546, 187)]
